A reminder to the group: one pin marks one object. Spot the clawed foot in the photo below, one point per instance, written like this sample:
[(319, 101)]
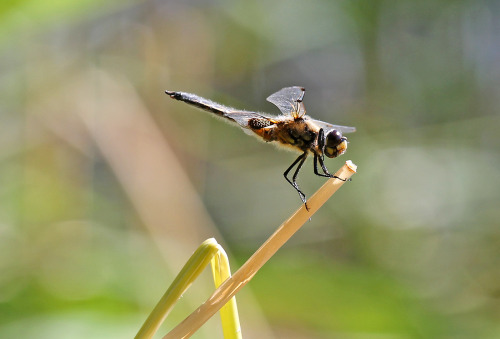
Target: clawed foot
[(336, 177)]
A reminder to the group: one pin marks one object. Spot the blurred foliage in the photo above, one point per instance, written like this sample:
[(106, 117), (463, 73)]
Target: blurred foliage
[(107, 185)]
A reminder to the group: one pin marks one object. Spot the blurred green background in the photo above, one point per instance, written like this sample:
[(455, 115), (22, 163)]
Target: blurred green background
[(107, 185)]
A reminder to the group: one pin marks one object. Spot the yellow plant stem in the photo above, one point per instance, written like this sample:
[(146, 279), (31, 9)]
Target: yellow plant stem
[(231, 286), (209, 251), (229, 312)]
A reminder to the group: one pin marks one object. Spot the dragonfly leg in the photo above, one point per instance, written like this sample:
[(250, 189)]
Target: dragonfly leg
[(327, 174), (300, 161)]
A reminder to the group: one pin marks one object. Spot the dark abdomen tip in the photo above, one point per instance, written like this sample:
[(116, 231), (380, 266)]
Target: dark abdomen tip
[(174, 95)]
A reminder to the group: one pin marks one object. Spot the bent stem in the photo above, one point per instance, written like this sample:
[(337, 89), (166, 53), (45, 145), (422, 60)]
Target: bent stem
[(229, 312), (231, 286), (208, 251)]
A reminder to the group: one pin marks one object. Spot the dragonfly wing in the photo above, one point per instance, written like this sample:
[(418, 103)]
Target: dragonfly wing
[(243, 118), (286, 99), (326, 126)]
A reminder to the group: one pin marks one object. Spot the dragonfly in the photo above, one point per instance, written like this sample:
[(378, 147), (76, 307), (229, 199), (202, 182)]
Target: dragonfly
[(292, 129)]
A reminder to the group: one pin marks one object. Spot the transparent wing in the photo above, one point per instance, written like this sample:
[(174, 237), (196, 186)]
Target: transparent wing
[(326, 126), (289, 100), (243, 117)]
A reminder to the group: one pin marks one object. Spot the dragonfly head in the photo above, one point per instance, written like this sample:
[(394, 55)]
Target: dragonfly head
[(335, 144)]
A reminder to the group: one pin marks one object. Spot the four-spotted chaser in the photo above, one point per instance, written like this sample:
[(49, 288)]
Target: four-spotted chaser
[(291, 129)]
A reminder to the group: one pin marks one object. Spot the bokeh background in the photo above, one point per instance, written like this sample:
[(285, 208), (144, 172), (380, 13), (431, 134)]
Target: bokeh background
[(107, 185)]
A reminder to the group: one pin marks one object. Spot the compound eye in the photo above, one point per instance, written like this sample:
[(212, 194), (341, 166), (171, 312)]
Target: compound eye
[(333, 138)]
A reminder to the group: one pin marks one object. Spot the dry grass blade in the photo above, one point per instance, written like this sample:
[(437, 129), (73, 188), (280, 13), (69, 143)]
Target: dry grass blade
[(232, 285)]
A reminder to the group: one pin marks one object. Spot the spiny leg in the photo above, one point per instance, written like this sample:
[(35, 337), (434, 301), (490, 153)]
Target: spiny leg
[(300, 160), (323, 167), (327, 174), (294, 180), (321, 141)]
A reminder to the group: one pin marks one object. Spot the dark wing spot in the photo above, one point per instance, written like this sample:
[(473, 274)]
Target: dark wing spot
[(258, 123)]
